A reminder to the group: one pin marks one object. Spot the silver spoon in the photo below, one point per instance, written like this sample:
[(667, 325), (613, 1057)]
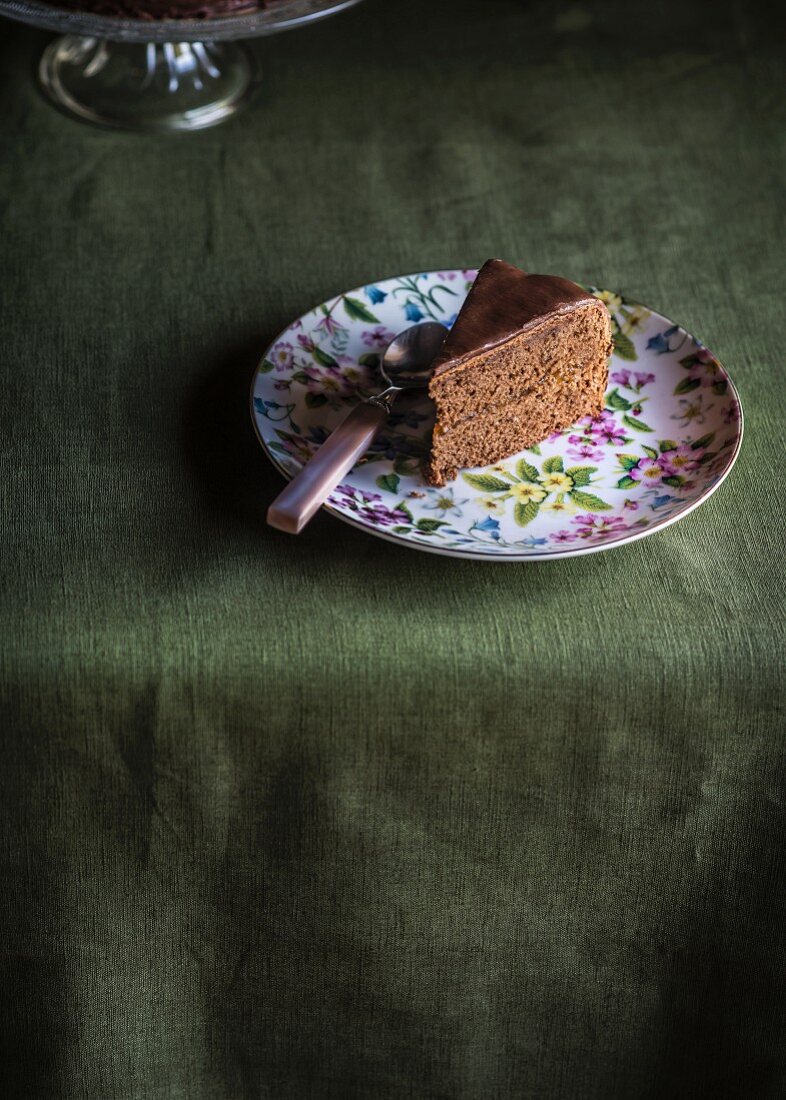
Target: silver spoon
[(406, 365)]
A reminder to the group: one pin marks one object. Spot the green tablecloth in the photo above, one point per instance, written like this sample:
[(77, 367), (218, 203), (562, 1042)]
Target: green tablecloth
[(328, 817)]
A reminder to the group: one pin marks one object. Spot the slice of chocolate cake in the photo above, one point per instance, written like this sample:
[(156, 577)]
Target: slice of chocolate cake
[(528, 355)]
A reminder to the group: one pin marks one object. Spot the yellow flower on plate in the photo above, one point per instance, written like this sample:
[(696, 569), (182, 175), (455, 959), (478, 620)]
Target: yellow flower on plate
[(561, 507), (556, 483), (492, 504), (636, 322), (612, 300), (524, 493)]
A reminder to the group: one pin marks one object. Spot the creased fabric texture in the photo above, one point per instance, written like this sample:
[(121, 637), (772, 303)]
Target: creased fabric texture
[(327, 817)]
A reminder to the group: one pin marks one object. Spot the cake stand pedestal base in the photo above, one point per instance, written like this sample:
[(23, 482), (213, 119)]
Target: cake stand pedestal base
[(149, 86)]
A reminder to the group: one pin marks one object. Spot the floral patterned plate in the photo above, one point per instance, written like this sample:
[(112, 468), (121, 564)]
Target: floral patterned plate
[(669, 434)]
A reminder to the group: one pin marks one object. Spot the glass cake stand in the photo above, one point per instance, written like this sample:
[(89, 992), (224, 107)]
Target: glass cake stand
[(155, 75)]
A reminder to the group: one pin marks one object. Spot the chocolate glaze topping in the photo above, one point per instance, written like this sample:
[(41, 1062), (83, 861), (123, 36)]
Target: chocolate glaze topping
[(502, 302)]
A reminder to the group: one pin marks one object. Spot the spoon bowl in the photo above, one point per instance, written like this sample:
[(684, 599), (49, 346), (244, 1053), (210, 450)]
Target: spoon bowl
[(408, 359)]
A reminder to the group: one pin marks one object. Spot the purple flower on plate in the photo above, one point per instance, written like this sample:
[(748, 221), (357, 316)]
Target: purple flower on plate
[(621, 376), (306, 342), (594, 425), (282, 355), (446, 276), (367, 506), (643, 379), (563, 536), (585, 451), (610, 434), (730, 413), (648, 471), (378, 337)]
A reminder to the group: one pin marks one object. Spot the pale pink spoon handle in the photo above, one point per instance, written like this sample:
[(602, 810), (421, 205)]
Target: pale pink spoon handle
[(308, 490)]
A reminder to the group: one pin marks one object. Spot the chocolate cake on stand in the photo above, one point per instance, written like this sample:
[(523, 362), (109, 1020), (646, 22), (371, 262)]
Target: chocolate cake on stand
[(158, 65)]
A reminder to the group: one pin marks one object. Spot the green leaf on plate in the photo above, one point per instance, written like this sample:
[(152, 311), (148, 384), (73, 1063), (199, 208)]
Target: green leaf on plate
[(615, 400), (525, 513), (401, 530), (265, 367), (589, 501), (626, 482), (314, 400), (553, 465), (623, 347), (525, 471), (403, 508), (300, 376), (486, 483), (323, 358), (627, 462), (389, 482), (689, 361), (581, 474), (686, 385), (534, 450), (357, 311), (634, 422), (675, 481), (720, 387), (704, 441), (370, 359), (668, 445), (429, 526), (650, 452)]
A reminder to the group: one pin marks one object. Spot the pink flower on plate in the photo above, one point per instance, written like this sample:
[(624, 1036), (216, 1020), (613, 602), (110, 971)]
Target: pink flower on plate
[(621, 376), (378, 337), (554, 436), (563, 536), (282, 356), (648, 471), (446, 276), (680, 461), (631, 506), (306, 342), (329, 325), (590, 526), (585, 451)]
